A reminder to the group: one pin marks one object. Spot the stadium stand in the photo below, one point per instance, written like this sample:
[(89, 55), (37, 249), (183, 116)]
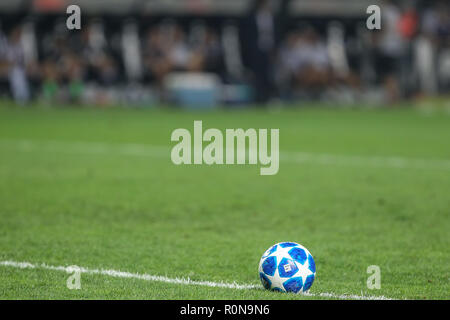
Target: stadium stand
[(210, 53)]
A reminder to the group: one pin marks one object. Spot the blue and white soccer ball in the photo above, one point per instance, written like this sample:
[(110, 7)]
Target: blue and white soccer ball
[(287, 267)]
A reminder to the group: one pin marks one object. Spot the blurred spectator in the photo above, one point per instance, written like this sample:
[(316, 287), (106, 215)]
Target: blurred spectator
[(390, 49), (163, 55), (436, 30), (12, 64), (155, 60), (304, 62), (74, 59), (261, 38), (209, 53), (436, 23), (96, 53), (55, 63)]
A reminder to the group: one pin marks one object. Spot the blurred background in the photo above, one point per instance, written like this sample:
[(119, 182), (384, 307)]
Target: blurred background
[(234, 53), (86, 118)]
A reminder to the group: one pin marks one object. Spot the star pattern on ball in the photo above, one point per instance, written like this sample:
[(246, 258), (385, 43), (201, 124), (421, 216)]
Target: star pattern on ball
[(287, 267)]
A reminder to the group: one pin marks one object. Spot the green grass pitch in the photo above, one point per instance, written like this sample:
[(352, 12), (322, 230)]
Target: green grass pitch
[(65, 201)]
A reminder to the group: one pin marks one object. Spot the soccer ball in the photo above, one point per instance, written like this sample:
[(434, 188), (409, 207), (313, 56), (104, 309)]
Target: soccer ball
[(287, 267)]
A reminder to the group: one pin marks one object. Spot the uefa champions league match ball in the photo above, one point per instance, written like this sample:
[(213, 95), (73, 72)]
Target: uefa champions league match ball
[(287, 267)]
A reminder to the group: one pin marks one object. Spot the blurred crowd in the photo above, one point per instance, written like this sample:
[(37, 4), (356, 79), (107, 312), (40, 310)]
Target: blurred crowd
[(65, 66), (408, 57), (275, 57)]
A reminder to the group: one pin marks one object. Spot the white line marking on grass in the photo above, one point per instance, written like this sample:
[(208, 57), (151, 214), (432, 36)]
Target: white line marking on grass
[(123, 274), (142, 150), (365, 161), (179, 281)]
